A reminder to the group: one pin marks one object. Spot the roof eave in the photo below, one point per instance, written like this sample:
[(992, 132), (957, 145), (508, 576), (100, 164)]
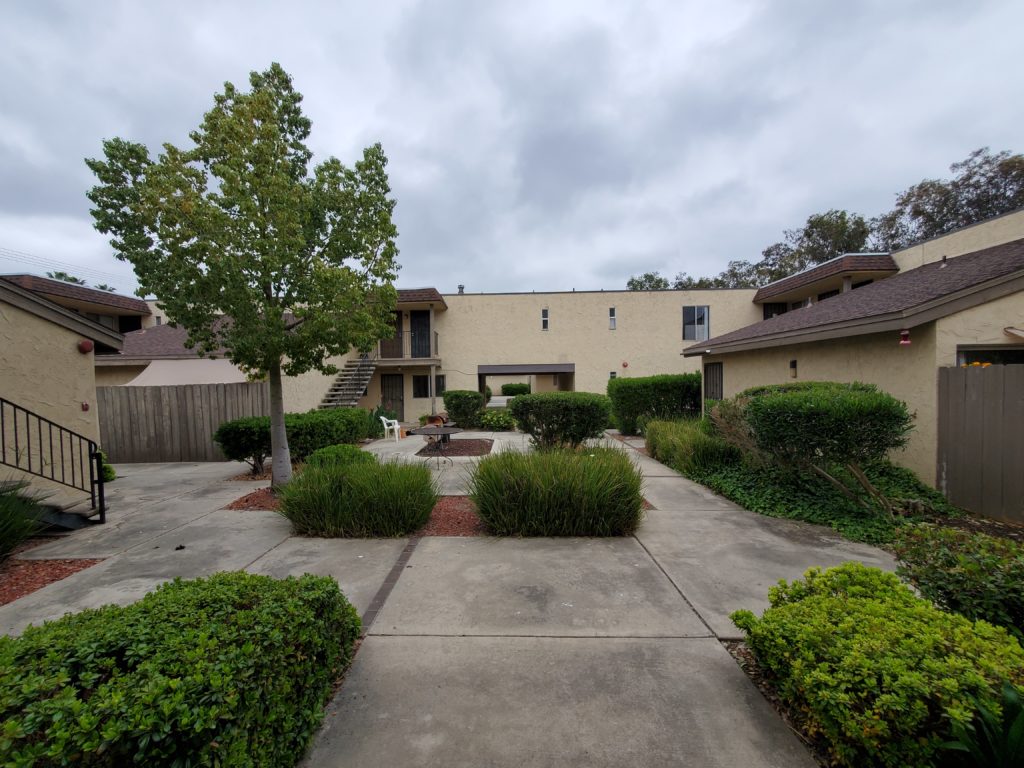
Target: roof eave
[(37, 305)]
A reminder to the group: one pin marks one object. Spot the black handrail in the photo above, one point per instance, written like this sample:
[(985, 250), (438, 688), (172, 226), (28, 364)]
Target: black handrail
[(17, 424)]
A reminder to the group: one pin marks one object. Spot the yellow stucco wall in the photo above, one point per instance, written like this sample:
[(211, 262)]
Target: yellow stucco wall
[(1003, 229), (906, 372), (979, 326), (116, 375)]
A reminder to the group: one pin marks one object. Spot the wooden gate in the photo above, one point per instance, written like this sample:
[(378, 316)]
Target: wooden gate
[(173, 423), (981, 439)]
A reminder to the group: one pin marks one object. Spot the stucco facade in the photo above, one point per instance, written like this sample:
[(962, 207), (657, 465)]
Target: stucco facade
[(1002, 229)]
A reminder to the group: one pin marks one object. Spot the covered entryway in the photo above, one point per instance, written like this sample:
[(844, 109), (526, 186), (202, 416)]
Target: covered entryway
[(545, 377), (392, 393)]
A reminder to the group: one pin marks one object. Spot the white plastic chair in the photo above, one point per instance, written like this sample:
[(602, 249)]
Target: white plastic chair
[(391, 425)]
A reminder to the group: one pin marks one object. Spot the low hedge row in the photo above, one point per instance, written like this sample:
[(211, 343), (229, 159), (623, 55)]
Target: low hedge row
[(339, 455), (497, 420), (248, 439), (594, 492), (668, 396), (976, 575), (359, 499), (511, 390), (555, 419), (882, 676), (231, 670)]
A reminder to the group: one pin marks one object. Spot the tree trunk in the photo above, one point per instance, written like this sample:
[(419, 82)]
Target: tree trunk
[(281, 458)]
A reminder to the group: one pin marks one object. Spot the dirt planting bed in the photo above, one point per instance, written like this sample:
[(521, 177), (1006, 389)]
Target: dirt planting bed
[(453, 516), (263, 498), (22, 577), (466, 447)]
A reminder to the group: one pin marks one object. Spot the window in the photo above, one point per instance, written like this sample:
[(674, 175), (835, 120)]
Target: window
[(611, 318), (828, 295), (695, 323), (771, 310), (421, 385), (543, 319), (611, 374), (713, 381), (1008, 354), (159, 320)]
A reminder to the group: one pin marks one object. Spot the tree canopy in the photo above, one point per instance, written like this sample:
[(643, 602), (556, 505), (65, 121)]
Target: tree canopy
[(984, 185), (66, 278), (300, 263)]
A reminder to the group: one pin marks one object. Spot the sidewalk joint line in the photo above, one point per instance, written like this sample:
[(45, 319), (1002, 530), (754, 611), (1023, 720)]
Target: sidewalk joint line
[(389, 584)]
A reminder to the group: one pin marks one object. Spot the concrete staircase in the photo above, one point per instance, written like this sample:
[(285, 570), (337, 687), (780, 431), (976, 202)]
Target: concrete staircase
[(350, 383)]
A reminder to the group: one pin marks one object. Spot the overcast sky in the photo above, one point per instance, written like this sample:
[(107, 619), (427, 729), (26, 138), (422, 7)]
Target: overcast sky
[(532, 145)]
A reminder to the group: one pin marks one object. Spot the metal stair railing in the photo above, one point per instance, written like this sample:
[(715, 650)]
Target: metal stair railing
[(33, 444)]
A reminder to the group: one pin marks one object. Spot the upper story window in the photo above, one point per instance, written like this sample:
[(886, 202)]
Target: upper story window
[(696, 322), (544, 319), (611, 374), (611, 318)]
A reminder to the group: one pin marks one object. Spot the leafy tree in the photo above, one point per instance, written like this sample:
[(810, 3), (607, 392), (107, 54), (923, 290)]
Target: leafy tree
[(984, 185), (301, 264), (648, 281), (105, 287), (65, 277), (824, 236)]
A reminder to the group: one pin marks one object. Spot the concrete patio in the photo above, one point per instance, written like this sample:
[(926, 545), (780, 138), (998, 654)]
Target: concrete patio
[(487, 651)]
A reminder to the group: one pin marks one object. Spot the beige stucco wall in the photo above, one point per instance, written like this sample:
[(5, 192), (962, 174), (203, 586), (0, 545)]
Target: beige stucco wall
[(996, 231), (906, 372), (979, 325), (43, 371), (155, 314), (117, 375)]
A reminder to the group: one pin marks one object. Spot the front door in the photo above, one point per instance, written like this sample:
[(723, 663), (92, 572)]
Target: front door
[(392, 393), (419, 325), (392, 348)]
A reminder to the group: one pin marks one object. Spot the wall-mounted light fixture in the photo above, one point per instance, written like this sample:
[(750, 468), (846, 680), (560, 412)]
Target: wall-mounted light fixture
[(905, 337), (792, 369)]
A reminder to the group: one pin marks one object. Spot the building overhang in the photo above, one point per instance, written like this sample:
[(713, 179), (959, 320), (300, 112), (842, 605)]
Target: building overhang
[(28, 301), (520, 369)]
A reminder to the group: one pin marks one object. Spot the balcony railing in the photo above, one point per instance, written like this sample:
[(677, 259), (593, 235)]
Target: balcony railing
[(405, 346)]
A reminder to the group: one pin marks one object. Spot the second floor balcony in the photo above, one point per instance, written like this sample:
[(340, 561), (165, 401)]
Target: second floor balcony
[(414, 345)]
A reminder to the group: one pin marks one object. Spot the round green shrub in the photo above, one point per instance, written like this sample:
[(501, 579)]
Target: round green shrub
[(880, 674), (511, 390), (231, 670), (339, 455), (497, 420), (109, 473), (359, 500), (246, 439), (556, 419), (667, 396), (463, 406), (558, 493)]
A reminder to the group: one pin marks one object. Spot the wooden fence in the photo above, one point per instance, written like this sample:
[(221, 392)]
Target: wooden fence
[(981, 439), (174, 423)]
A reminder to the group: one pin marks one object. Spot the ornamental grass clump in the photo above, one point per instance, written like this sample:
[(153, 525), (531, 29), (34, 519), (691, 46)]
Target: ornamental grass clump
[(230, 670), (359, 499), (340, 455), (880, 676), (19, 516), (593, 492)]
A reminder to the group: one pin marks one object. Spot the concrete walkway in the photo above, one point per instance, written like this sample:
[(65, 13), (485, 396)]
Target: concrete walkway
[(488, 651)]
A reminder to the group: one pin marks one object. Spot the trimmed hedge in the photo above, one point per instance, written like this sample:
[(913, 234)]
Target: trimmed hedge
[(497, 420), (231, 670), (339, 455), (558, 493), (511, 390), (976, 575), (464, 406), (248, 439), (359, 499), (668, 396), (880, 674), (556, 419)]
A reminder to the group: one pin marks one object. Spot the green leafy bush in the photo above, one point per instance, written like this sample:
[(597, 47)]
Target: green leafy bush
[(497, 420), (359, 499), (992, 739), (19, 516), (511, 390), (976, 575), (668, 396), (556, 419), (688, 447), (463, 406), (232, 670), (340, 455), (558, 493), (880, 675), (487, 395), (248, 439)]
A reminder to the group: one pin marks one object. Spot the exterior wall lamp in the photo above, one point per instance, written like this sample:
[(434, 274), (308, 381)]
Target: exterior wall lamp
[(905, 338)]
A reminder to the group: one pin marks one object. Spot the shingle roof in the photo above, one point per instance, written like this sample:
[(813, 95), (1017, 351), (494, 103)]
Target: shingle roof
[(49, 287), (902, 293), (848, 262), (160, 341), (409, 295)]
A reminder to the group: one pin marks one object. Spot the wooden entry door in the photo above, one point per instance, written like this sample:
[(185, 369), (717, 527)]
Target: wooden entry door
[(392, 348), (392, 393), (419, 326)]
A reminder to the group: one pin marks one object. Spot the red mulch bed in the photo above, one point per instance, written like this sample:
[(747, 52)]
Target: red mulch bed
[(459, 448), (647, 504), (263, 498), (453, 516), (22, 577)]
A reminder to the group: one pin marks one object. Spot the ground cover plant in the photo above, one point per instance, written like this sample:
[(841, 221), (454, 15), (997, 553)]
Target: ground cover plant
[(561, 419), (359, 499), (668, 396), (880, 675), (595, 492), (497, 420), (342, 455), (464, 406), (231, 670), (976, 575), (19, 516)]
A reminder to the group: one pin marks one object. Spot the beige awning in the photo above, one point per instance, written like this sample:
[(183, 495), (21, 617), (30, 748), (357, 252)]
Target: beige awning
[(1018, 332), (160, 373)]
